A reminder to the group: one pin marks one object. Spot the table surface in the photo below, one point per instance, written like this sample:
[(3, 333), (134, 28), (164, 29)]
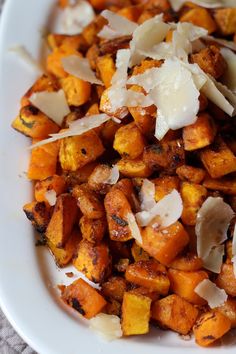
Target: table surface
[(10, 341)]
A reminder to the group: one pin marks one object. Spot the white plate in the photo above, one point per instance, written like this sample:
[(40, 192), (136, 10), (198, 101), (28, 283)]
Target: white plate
[(28, 276)]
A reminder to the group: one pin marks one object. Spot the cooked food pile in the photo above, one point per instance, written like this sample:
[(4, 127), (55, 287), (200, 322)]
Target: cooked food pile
[(133, 160)]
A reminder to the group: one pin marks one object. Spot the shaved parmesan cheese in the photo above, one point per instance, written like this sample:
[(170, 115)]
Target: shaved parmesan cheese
[(114, 176), (80, 68), (51, 197), (168, 209), (175, 95), (106, 326), (53, 104), (118, 26), (161, 127), (223, 42), (148, 34), (148, 80), (208, 290), (147, 195), (214, 260), (26, 57), (78, 127), (135, 232), (122, 64), (229, 77), (210, 4), (76, 17), (120, 97), (213, 219)]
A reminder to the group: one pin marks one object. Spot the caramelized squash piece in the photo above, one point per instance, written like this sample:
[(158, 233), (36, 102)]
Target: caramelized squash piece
[(165, 185), (190, 173), (227, 280), (88, 202), (114, 288), (92, 230), (226, 20), (201, 17), (55, 183), (39, 214), (228, 309), (134, 168)]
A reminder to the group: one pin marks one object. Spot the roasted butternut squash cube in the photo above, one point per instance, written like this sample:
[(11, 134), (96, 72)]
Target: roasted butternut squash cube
[(183, 284), (92, 230), (54, 64), (129, 141), (218, 159), (153, 295), (193, 196), (226, 20), (168, 155), (76, 90), (190, 173), (144, 118), (53, 183), (138, 253), (77, 151), (108, 132), (136, 311), (175, 313), (209, 327), (199, 134), (39, 214), (113, 307), (117, 207), (226, 279), (88, 202), (149, 274), (79, 176), (106, 68), (91, 30), (132, 13), (188, 262), (43, 161), (93, 261), (228, 309), (76, 41), (164, 244), (98, 179), (210, 60), (226, 185), (64, 255), (106, 106), (83, 298), (165, 185), (134, 168), (201, 17), (34, 124), (126, 186), (114, 288), (62, 221)]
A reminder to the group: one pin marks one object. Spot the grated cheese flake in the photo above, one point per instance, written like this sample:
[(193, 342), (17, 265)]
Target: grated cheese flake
[(80, 68), (108, 327), (147, 195), (51, 197), (229, 77), (168, 209), (122, 64), (213, 219), (214, 260), (114, 176), (208, 290), (223, 42), (118, 26), (135, 231), (26, 57), (53, 104)]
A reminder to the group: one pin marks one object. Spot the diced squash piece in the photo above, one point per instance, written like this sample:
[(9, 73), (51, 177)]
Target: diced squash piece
[(227, 280), (193, 196), (83, 298), (165, 185), (218, 159), (113, 307), (64, 255), (106, 107), (114, 288), (77, 151), (54, 64), (146, 64), (199, 134), (33, 123), (62, 220), (153, 295), (210, 60), (200, 17), (129, 141), (138, 253), (135, 314), (92, 230), (43, 161), (39, 214), (97, 179), (132, 13), (209, 327), (93, 261), (88, 202), (108, 132), (106, 68), (227, 185), (76, 90), (188, 262), (149, 274), (55, 183), (226, 20), (91, 30), (175, 313), (228, 309), (190, 173), (126, 186), (183, 284), (165, 244), (168, 155), (134, 168), (76, 41), (79, 176)]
